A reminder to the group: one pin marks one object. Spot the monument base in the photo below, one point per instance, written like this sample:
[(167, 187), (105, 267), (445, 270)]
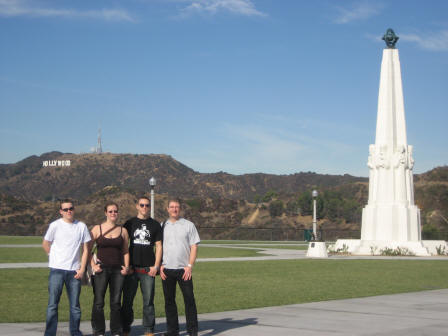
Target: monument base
[(391, 222), (317, 250), (423, 248)]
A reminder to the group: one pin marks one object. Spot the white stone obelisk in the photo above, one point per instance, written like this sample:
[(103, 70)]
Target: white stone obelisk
[(390, 219)]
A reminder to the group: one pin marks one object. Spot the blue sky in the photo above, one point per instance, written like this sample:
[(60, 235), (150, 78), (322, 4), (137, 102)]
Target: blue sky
[(241, 86)]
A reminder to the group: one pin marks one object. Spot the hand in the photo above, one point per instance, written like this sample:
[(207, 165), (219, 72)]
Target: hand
[(96, 268), (124, 270), (79, 274), (152, 271), (187, 273), (162, 273)]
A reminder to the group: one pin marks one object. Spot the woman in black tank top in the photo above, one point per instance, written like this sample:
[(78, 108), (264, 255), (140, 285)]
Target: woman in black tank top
[(110, 267)]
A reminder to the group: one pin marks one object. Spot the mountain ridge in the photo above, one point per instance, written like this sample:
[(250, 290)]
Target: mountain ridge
[(29, 179), (222, 205)]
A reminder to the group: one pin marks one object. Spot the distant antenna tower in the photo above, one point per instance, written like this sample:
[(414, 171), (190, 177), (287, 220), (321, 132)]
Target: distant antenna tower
[(99, 147)]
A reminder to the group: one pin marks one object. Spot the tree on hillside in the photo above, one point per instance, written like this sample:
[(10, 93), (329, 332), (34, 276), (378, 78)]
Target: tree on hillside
[(292, 208), (276, 208), (269, 196), (337, 205), (305, 203)]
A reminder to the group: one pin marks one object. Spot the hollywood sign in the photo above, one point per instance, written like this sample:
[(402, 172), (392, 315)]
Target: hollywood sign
[(56, 163)]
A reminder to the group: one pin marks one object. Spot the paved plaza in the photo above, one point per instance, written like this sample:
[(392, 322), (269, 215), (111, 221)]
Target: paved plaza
[(410, 314)]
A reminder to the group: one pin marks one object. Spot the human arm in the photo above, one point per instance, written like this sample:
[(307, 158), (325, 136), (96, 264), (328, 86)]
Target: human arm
[(153, 270), (46, 245), (84, 259), (162, 273), (96, 267), (125, 250), (191, 261), (48, 238)]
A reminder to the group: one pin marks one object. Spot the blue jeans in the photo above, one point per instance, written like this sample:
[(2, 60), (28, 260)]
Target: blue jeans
[(56, 281), (129, 290), (112, 277), (173, 277)]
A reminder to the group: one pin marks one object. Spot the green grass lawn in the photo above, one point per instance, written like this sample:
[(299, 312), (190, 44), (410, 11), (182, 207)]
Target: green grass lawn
[(20, 240), (222, 286), (37, 254), (267, 242), (217, 252), (22, 254), (283, 247)]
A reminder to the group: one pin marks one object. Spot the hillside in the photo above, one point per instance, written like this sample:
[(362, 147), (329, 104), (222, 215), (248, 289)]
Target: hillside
[(224, 206), (89, 173)]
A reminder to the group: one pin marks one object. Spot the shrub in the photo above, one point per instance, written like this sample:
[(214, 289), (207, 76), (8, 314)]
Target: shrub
[(399, 251), (276, 208)]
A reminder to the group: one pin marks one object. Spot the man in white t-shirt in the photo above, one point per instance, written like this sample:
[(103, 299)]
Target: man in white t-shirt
[(62, 243)]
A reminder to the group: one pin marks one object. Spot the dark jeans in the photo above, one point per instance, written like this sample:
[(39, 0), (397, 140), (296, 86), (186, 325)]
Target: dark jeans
[(129, 291), (56, 281), (109, 276), (174, 276)]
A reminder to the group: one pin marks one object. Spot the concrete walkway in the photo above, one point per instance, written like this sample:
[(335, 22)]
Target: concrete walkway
[(410, 314), (265, 254)]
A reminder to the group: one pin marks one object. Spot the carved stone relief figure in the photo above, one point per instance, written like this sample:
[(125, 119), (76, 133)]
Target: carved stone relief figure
[(383, 158), (400, 157), (410, 158), (371, 159)]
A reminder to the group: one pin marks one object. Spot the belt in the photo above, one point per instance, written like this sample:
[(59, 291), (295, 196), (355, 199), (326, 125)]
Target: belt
[(141, 270)]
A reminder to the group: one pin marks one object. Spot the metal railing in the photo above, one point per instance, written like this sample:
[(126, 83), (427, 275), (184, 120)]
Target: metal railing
[(273, 233), (285, 234)]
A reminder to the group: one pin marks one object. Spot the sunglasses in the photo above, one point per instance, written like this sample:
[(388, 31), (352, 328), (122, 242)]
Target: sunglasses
[(144, 205), (113, 211), (67, 209)]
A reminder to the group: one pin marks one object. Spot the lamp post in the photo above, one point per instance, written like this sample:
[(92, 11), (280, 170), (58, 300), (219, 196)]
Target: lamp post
[(152, 184), (316, 249), (314, 194)]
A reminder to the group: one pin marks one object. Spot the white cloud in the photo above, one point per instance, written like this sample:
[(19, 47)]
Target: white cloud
[(278, 150), (358, 11), (10, 8), (266, 142), (432, 41), (212, 7)]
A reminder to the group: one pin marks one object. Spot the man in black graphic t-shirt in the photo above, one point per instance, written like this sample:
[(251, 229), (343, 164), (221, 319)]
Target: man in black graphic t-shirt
[(144, 234)]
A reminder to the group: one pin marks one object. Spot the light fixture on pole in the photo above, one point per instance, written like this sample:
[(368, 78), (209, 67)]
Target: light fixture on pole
[(316, 249), (152, 184), (314, 194)]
